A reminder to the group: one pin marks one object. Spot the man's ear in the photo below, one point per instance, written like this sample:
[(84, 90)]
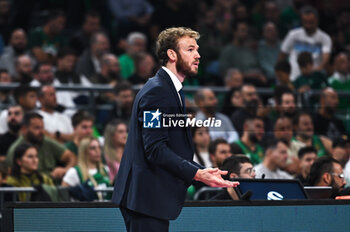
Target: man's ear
[(327, 178), (268, 152), (233, 175), (172, 55)]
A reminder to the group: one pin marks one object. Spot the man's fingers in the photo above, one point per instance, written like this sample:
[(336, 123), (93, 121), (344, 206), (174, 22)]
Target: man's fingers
[(223, 172)]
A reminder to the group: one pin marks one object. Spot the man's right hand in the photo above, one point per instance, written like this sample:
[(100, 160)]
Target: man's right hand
[(212, 177)]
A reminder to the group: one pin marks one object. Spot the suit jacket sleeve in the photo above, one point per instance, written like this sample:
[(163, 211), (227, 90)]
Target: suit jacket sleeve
[(156, 140)]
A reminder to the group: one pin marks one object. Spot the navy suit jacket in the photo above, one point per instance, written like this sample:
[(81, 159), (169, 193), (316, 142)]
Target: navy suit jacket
[(157, 165)]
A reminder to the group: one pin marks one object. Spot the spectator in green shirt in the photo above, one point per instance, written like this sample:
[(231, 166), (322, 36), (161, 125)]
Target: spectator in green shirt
[(46, 40), (136, 43), (51, 154), (309, 79), (82, 123)]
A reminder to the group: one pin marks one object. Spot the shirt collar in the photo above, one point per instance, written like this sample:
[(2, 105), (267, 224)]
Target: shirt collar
[(174, 79)]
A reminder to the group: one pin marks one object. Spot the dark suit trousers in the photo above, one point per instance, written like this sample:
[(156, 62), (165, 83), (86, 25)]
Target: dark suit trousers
[(137, 222)]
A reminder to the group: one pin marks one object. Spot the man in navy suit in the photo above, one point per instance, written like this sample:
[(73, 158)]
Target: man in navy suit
[(157, 164)]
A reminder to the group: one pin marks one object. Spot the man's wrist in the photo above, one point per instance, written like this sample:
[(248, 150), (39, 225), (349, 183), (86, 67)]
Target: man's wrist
[(198, 175)]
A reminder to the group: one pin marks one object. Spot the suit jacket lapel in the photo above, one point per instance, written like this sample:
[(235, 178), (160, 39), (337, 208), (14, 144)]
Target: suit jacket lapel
[(164, 75)]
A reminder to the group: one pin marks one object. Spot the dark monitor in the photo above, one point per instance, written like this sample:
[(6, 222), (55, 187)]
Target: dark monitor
[(318, 192), (271, 189)]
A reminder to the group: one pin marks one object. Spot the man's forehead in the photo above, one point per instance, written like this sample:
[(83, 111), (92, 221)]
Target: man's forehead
[(187, 41), (14, 109)]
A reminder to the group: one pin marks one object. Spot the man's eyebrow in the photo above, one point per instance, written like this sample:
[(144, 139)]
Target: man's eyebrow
[(193, 46)]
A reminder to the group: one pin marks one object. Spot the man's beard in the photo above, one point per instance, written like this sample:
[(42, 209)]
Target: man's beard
[(34, 139), (19, 50), (304, 136), (251, 106), (289, 114), (210, 109), (335, 189), (253, 138), (330, 110), (113, 76), (25, 78), (183, 68), (14, 127)]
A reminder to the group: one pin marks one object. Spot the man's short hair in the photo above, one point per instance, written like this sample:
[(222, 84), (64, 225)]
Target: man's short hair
[(306, 150), (297, 117), (280, 117), (54, 14), (304, 59), (80, 116), (29, 116), (214, 144), (22, 91), (93, 38), (122, 86), (39, 65), (233, 164), (273, 143), (283, 66), (92, 14), (321, 166), (168, 39), (309, 10), (63, 52), (279, 91), (252, 118)]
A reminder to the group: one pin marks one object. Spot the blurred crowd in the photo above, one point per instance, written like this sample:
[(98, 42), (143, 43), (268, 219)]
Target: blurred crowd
[(298, 50)]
